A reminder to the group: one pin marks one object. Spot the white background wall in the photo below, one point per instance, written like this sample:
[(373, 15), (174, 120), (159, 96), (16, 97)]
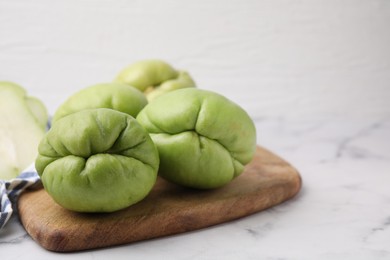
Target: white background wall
[(293, 59)]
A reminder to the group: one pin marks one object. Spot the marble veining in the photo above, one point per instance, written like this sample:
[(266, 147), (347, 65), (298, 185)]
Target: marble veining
[(347, 144), (17, 240), (383, 226), (342, 211)]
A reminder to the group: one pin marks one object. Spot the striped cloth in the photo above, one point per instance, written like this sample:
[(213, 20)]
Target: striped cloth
[(10, 190)]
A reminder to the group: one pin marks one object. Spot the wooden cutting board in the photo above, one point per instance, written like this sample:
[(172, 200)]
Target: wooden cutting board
[(169, 209)]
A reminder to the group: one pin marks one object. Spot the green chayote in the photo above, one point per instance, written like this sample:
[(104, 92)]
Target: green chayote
[(23, 121), (204, 140), (97, 160), (116, 96), (154, 77)]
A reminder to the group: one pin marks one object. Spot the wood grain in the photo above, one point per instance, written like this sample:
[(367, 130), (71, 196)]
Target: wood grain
[(169, 209)]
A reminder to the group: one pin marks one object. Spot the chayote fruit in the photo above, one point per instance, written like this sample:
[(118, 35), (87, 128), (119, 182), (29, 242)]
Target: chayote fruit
[(23, 121), (97, 160), (154, 78), (204, 140), (116, 96)]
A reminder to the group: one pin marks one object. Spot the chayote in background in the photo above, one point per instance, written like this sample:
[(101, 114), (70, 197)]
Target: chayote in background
[(97, 160), (154, 77), (204, 140), (116, 96)]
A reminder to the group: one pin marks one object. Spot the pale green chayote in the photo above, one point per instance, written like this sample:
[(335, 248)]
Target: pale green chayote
[(204, 139), (97, 160), (113, 95), (154, 77), (23, 122)]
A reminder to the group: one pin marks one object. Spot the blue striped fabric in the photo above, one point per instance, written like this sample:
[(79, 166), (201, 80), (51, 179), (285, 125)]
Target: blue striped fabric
[(10, 190)]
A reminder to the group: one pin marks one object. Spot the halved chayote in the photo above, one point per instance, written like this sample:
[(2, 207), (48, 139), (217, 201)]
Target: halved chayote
[(97, 160), (154, 77), (204, 139), (116, 96), (23, 121)]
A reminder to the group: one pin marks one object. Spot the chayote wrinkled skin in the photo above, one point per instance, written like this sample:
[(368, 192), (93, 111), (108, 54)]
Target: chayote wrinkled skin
[(204, 140), (154, 78), (97, 160), (116, 96)]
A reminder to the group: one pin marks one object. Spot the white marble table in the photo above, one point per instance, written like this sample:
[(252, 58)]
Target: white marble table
[(342, 212)]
